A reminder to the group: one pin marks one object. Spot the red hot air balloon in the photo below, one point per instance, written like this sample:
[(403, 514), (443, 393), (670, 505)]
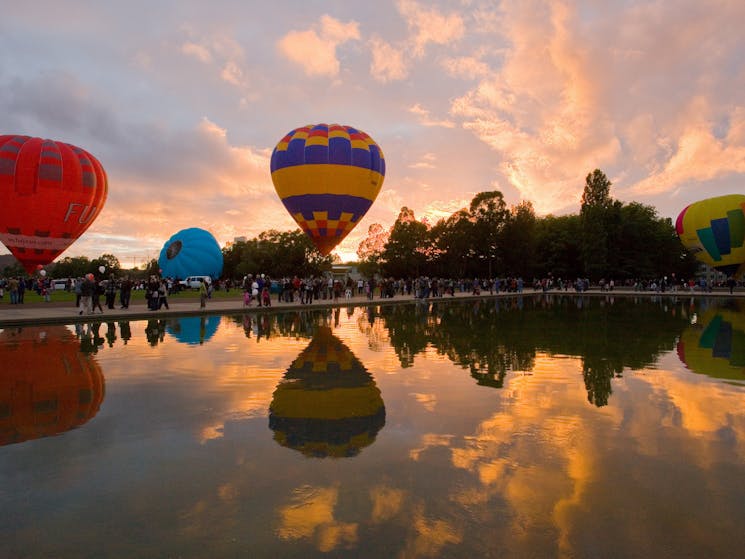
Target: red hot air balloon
[(50, 193)]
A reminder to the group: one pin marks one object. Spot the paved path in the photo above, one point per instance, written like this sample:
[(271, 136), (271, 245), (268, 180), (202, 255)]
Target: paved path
[(67, 313)]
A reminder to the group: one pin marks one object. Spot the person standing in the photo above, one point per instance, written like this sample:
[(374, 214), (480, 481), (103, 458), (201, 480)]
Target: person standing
[(96, 296), (163, 295), (21, 290), (125, 292), (110, 291), (78, 291), (86, 293), (202, 294), (13, 289)]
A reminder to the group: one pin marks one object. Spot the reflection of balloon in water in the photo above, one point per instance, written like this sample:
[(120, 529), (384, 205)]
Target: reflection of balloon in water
[(193, 330), (47, 385), (327, 176), (715, 345), (51, 192), (714, 230), (327, 404), (191, 252)]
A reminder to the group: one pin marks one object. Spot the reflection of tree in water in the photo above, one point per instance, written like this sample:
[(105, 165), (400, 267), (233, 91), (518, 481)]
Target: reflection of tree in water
[(491, 337), (327, 403), (409, 329), (297, 324)]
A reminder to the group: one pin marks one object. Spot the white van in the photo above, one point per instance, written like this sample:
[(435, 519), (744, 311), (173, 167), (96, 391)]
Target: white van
[(60, 284), (193, 282)]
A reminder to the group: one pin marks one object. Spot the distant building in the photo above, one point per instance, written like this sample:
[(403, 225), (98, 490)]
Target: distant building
[(342, 272), (240, 240)]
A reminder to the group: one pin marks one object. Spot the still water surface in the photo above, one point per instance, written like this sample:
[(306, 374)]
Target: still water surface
[(546, 426)]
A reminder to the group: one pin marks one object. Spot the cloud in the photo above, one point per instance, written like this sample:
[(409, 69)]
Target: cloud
[(315, 49), (469, 67), (429, 25), (540, 109), (388, 62), (425, 120), (199, 52), (427, 161), (698, 155)]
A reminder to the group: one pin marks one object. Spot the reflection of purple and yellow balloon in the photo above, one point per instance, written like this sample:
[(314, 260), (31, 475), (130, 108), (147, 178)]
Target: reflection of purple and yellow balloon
[(715, 345), (47, 386), (327, 177), (328, 403), (714, 231)]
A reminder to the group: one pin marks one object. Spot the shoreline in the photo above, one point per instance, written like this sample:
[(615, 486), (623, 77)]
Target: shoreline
[(27, 314)]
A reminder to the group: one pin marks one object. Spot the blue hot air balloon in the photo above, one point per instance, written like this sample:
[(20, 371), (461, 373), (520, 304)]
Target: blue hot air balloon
[(191, 252)]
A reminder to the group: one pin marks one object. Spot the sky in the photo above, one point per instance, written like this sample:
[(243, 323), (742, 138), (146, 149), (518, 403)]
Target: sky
[(183, 101)]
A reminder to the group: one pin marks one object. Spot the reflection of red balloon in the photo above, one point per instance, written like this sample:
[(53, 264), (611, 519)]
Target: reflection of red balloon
[(51, 192), (47, 385)]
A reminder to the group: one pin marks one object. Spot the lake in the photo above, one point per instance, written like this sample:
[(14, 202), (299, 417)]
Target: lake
[(535, 426)]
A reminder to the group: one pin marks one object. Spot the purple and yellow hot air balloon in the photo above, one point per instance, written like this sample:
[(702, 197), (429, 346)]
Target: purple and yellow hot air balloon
[(327, 176), (714, 231)]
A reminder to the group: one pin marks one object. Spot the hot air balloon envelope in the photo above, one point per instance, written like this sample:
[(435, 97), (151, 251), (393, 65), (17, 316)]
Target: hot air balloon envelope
[(327, 177), (51, 192), (714, 230), (191, 252)]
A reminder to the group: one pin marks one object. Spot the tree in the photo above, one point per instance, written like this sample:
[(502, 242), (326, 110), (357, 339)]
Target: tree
[(370, 250), (518, 240), (594, 216), (72, 267), (276, 253), (490, 215), (452, 240), (403, 255), (108, 261), (557, 246)]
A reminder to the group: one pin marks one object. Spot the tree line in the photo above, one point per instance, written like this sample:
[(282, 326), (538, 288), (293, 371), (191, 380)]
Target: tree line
[(606, 239)]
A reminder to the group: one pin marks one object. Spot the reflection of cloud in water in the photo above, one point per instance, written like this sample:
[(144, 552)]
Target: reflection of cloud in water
[(193, 330), (327, 404), (387, 503), (310, 515), (48, 385)]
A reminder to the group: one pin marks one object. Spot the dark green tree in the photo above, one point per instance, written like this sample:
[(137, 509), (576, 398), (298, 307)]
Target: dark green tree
[(490, 215), (453, 243), (405, 252), (595, 220), (72, 267), (108, 261), (558, 247), (518, 240)]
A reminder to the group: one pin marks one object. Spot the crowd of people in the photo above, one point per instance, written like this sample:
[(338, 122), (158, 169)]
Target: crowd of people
[(259, 289)]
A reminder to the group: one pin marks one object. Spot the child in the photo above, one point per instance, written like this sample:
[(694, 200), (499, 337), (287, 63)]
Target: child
[(246, 298), (266, 299)]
